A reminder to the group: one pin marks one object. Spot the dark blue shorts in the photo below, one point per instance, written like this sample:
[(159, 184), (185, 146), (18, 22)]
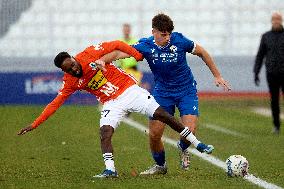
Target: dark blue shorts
[(187, 104)]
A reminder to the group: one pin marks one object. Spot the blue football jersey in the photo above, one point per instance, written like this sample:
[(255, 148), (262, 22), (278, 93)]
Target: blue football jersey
[(173, 76)]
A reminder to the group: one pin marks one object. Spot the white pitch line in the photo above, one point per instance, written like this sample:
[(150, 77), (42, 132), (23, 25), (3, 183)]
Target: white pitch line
[(224, 130), (211, 159), (265, 112)]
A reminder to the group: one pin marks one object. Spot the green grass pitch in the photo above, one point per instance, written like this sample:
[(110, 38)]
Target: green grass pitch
[(64, 152)]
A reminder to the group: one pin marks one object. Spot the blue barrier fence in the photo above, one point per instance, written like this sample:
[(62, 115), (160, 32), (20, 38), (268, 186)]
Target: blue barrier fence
[(37, 80), (41, 88)]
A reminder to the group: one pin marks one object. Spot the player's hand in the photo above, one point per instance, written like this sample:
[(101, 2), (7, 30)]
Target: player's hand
[(256, 80), (25, 130), (101, 65), (219, 81)]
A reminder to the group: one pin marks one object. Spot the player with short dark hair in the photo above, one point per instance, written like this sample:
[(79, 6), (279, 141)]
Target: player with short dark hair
[(115, 89), (175, 86), (58, 60), (163, 23)]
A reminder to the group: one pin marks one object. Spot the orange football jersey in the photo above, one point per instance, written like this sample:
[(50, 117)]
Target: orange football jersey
[(105, 86)]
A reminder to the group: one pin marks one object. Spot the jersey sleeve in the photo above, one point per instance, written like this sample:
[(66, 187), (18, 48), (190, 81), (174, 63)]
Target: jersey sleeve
[(51, 108), (107, 47), (188, 44), (140, 46)]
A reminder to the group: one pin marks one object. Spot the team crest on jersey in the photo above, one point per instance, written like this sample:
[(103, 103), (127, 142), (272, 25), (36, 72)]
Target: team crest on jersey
[(173, 48)]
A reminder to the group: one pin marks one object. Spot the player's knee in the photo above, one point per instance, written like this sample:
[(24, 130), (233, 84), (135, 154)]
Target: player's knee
[(160, 114), (155, 137), (106, 132), (156, 134)]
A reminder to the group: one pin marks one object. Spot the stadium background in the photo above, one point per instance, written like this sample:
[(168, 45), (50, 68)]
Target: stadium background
[(32, 32), (65, 151)]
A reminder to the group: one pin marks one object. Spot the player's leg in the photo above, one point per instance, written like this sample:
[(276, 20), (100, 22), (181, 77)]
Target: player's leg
[(189, 121), (156, 129), (106, 132), (274, 89), (146, 104), (281, 79), (161, 115), (188, 108), (111, 114)]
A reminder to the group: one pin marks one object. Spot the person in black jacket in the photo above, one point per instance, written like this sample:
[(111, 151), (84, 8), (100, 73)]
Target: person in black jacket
[(272, 49)]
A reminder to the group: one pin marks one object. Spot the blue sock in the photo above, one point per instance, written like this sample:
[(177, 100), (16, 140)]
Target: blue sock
[(183, 145), (159, 157)]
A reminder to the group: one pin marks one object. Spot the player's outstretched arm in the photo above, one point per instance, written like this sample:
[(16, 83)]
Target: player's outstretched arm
[(114, 55), (114, 50), (219, 81), (107, 58), (47, 112), (50, 109)]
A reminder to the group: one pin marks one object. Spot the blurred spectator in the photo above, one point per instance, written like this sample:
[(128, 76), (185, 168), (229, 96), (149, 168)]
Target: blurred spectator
[(129, 65), (272, 49)]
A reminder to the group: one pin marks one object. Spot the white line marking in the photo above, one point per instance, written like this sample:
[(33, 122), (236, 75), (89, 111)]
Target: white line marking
[(224, 130), (265, 112), (211, 159)]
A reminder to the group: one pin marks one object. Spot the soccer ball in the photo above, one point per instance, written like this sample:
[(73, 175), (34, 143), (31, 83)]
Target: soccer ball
[(237, 165)]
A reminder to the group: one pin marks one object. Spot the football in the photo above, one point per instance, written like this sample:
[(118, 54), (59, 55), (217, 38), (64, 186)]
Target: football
[(237, 165)]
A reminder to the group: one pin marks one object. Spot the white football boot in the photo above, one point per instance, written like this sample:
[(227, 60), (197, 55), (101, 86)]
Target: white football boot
[(156, 170), (184, 158)]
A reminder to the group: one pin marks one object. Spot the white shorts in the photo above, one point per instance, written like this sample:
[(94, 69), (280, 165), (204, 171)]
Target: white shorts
[(133, 99)]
